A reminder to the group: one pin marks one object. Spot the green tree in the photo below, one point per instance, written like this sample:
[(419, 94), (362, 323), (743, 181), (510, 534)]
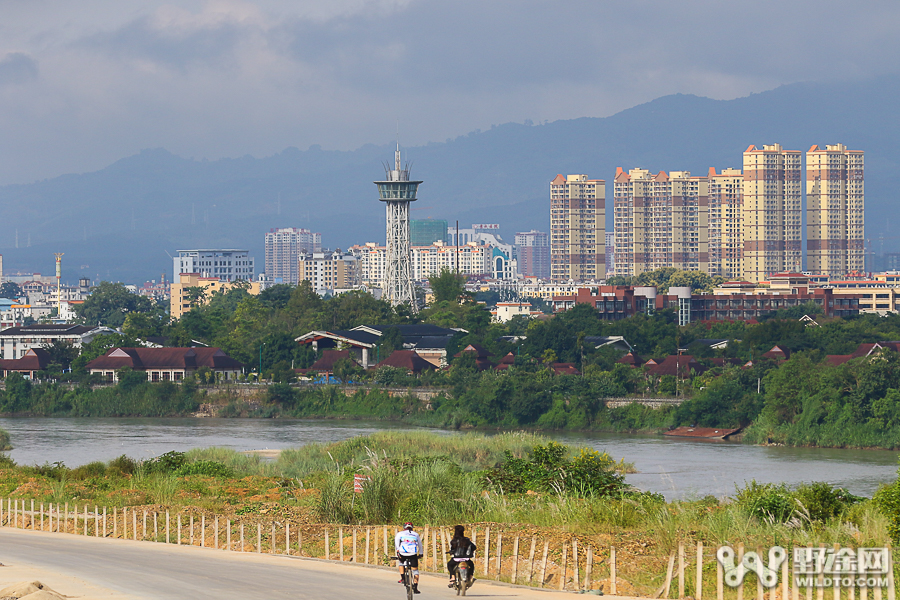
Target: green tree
[(10, 290), (447, 286), (109, 304), (62, 353)]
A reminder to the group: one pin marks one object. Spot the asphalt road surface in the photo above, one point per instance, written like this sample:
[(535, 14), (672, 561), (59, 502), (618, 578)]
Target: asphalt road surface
[(166, 571)]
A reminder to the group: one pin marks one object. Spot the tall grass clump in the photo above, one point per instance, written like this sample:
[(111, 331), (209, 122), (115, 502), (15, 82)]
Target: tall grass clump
[(5, 444)]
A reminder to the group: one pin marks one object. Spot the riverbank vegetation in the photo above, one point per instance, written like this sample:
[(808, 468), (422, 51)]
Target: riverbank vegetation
[(805, 399), (518, 483)]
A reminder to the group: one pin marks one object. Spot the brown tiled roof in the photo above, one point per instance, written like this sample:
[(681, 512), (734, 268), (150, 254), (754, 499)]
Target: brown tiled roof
[(778, 353), (36, 359), (327, 360), (406, 359), (631, 359), (163, 358), (565, 369), (480, 351), (506, 362), (680, 365), (838, 359)]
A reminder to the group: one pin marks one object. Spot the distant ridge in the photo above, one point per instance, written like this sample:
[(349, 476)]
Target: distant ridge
[(120, 221)]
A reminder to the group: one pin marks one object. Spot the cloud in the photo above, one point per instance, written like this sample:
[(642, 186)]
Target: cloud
[(230, 77), (17, 68)]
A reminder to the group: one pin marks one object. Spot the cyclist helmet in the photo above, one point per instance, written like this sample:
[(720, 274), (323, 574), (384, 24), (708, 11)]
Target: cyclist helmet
[(407, 526)]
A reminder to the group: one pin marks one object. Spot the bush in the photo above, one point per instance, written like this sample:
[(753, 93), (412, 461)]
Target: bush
[(766, 501), (166, 463), (4, 440), (123, 464), (209, 468), (93, 469), (823, 502)]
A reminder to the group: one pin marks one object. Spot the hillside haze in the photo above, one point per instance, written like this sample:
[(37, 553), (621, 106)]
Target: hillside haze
[(122, 222)]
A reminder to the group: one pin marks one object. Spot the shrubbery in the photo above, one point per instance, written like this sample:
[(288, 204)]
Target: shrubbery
[(808, 503)]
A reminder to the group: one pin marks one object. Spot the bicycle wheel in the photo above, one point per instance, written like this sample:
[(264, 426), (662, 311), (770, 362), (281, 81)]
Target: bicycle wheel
[(408, 579)]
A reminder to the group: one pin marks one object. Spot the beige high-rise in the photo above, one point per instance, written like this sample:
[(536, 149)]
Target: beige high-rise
[(660, 221), (577, 228), (726, 243), (835, 228), (771, 212)]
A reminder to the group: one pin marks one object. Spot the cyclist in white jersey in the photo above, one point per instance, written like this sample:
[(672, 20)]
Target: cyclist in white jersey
[(408, 545)]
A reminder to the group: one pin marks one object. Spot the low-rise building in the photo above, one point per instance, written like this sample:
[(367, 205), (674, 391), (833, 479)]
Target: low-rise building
[(165, 364), (181, 300), (15, 342), (428, 341), (33, 362)]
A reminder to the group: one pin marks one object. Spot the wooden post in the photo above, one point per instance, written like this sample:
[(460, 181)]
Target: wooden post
[(341, 544), (487, 551), (104, 521), (577, 576), (42, 516), (759, 584), (115, 520), (134, 524), (434, 549), (386, 548), (515, 560), (367, 544), (242, 537), (544, 563), (836, 580), (272, 539), (740, 559), (891, 593), (178, 530), (287, 538), (785, 581), (698, 591), (613, 588), (66, 522), (499, 554), (32, 515), (144, 530), (259, 538), (354, 545), (720, 580), (562, 566), (588, 567), (300, 542), (96, 521), (167, 526), (667, 586), (228, 534), (203, 531), (443, 550), (216, 542), (425, 552), (531, 559), (681, 569), (795, 589), (327, 549)]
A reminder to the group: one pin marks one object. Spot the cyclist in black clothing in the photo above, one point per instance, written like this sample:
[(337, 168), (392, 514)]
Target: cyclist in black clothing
[(460, 547)]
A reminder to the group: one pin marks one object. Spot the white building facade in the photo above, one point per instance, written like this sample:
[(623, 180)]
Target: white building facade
[(226, 264)]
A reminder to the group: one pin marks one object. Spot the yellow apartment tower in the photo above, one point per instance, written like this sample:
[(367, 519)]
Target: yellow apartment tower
[(660, 221), (726, 243), (835, 228), (771, 212), (577, 229)]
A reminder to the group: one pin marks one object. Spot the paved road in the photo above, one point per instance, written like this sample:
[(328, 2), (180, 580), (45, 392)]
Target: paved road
[(159, 571)]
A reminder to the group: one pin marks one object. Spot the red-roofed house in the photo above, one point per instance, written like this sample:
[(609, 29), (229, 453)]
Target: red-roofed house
[(631, 359), (34, 360), (481, 356), (564, 369), (406, 359), (506, 362), (165, 364), (778, 353), (681, 365)]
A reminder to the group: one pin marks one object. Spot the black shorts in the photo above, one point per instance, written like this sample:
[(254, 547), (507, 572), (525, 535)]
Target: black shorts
[(411, 560)]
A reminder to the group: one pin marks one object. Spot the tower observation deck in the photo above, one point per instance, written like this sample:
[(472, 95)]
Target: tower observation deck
[(397, 191)]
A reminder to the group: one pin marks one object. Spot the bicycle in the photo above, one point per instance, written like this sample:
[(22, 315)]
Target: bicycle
[(463, 579), (407, 575)]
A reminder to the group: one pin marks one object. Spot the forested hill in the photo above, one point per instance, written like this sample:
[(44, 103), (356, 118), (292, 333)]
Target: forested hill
[(119, 223)]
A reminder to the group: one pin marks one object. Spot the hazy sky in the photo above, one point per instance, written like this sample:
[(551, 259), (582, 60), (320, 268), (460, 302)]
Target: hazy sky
[(85, 83)]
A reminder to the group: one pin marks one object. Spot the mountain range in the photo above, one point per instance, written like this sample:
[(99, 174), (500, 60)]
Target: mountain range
[(123, 222)]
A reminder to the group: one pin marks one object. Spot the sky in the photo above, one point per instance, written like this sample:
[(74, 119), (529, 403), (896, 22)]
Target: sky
[(83, 84)]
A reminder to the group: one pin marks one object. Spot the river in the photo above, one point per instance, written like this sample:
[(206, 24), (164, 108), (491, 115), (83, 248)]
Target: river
[(678, 468)]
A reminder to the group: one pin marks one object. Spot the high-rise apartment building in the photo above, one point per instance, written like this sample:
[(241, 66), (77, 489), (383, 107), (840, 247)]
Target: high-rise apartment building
[(283, 247), (771, 212), (470, 259), (223, 264), (424, 232), (533, 251), (726, 245), (577, 228), (835, 228), (329, 270), (660, 221)]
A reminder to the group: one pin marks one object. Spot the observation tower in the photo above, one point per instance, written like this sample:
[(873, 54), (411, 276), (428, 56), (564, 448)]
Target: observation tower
[(397, 191)]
